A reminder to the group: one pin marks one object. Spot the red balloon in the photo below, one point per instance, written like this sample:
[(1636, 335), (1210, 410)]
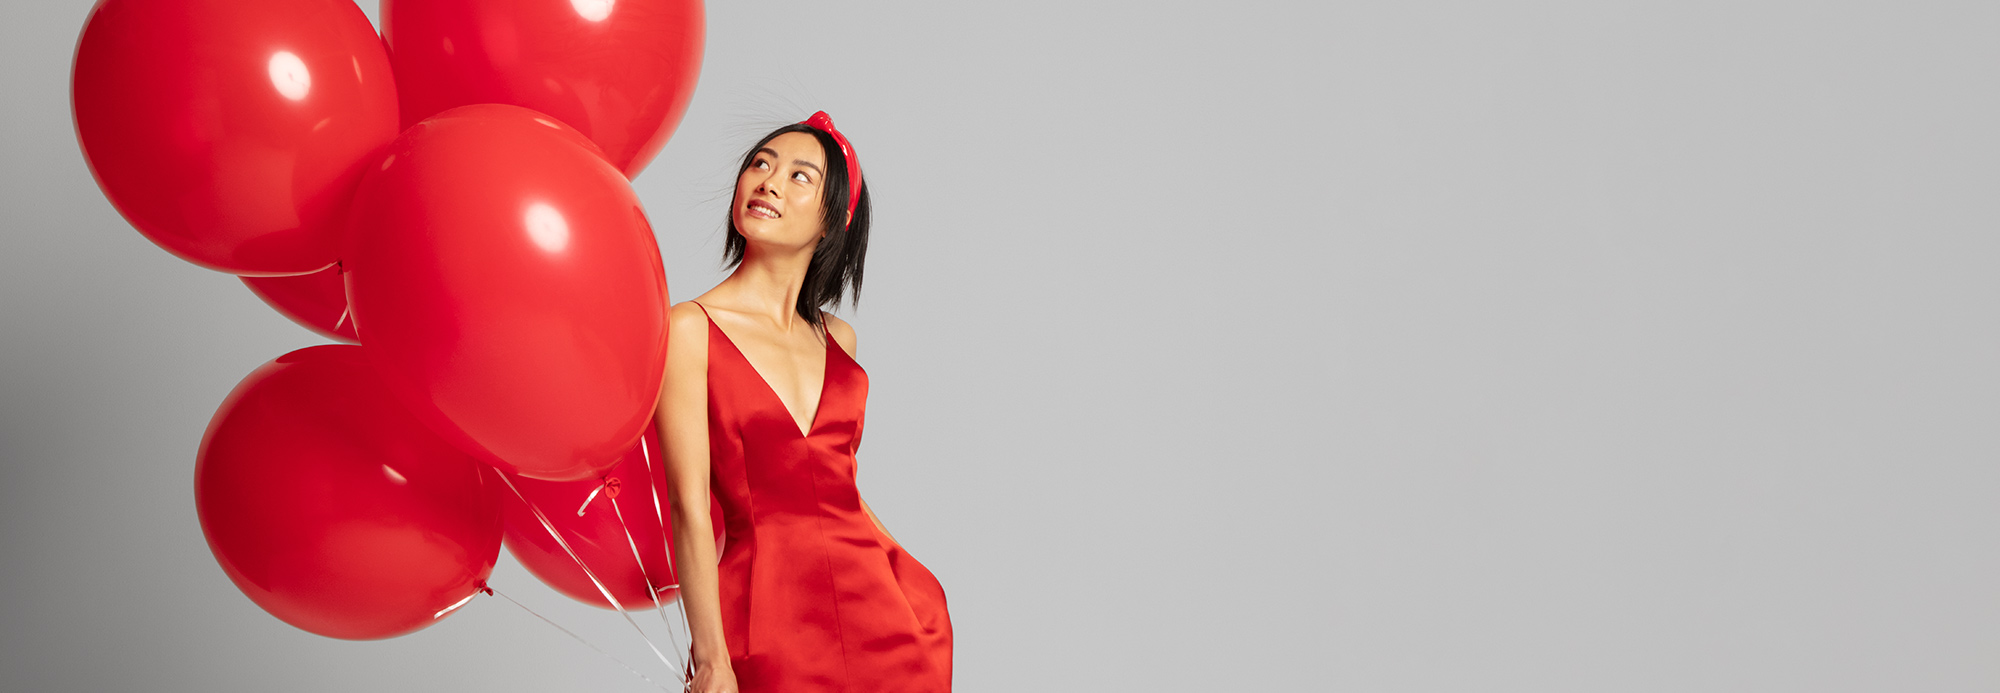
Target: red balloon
[(620, 71), (594, 516), (232, 132), (509, 289), (333, 508), (316, 301)]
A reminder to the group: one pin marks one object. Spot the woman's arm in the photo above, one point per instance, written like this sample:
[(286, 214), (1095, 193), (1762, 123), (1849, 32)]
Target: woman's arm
[(683, 420), (878, 522)]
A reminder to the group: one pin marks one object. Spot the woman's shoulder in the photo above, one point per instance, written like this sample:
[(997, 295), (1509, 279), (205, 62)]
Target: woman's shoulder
[(843, 333), (687, 324), (686, 312)]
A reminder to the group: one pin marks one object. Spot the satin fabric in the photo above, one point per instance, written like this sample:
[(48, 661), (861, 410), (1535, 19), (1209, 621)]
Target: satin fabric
[(814, 597)]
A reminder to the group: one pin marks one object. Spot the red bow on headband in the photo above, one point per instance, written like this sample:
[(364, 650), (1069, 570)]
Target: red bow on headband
[(824, 123)]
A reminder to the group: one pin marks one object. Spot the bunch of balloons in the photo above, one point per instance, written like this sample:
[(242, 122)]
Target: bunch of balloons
[(452, 199)]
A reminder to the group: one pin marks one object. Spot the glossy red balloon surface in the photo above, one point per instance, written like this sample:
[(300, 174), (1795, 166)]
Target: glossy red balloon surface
[(231, 132), (333, 508), (316, 301), (587, 513), (620, 71), (508, 287)]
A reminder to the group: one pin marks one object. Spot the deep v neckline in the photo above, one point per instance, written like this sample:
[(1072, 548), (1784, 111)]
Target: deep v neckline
[(826, 364)]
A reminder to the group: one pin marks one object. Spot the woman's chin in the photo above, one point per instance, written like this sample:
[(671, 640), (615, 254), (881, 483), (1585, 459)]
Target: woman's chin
[(770, 239)]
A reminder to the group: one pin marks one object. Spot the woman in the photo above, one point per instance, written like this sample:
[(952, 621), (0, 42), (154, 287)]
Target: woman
[(763, 407)]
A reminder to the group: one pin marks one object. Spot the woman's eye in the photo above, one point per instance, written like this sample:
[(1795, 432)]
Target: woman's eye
[(801, 177)]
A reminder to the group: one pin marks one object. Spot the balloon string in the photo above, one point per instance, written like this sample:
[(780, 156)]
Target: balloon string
[(646, 455), (579, 638), (601, 589), (659, 513), (651, 591), (339, 270), (592, 497)]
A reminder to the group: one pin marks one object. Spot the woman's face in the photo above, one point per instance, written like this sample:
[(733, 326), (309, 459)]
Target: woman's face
[(779, 197)]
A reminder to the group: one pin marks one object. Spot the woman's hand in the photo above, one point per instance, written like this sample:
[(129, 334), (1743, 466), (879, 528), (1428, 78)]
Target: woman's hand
[(712, 678)]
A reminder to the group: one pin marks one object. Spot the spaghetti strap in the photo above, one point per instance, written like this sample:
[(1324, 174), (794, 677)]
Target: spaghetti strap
[(704, 311)]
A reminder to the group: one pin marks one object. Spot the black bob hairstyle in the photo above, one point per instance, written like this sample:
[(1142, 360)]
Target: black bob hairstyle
[(835, 268)]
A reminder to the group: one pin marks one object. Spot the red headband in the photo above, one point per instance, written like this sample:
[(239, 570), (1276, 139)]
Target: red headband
[(822, 122)]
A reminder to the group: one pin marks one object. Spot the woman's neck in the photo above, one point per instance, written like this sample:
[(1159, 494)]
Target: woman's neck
[(767, 284)]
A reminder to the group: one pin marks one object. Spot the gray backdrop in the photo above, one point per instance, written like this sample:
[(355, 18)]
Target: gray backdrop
[(1466, 346)]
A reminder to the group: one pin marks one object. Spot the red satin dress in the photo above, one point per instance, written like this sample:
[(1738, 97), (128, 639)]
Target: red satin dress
[(814, 597)]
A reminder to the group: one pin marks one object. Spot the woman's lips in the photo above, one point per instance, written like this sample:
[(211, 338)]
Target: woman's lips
[(760, 209)]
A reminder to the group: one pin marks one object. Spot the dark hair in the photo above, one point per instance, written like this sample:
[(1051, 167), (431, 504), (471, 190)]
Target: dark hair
[(835, 269)]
